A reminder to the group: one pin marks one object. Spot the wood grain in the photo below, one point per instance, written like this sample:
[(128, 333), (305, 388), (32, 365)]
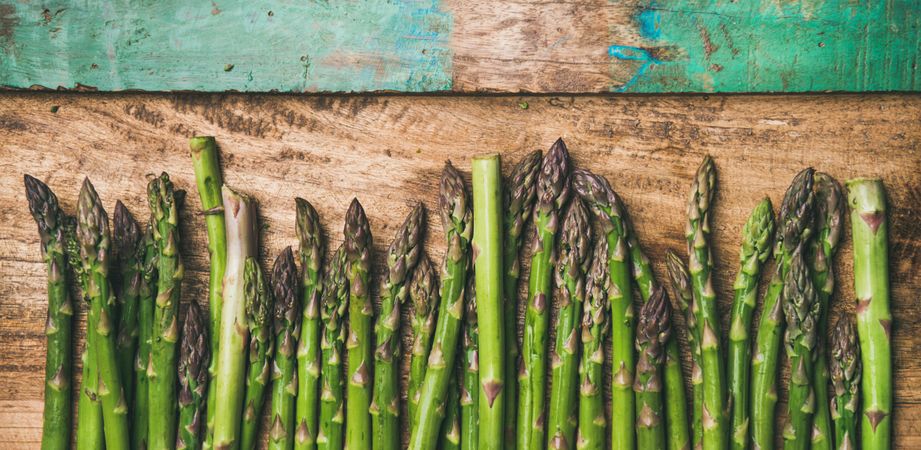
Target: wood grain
[(388, 152)]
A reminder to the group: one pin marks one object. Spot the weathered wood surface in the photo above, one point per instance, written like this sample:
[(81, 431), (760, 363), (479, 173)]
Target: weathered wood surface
[(463, 46), (388, 151)]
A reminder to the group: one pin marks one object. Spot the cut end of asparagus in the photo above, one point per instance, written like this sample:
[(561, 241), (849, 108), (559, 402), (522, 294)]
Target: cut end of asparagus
[(194, 352), (127, 233), (92, 227), (406, 247), (553, 181), (866, 196), (845, 357), (45, 209), (284, 286), (308, 235), (199, 144)]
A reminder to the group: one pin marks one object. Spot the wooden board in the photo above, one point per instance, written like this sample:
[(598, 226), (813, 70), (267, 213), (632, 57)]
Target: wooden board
[(388, 151), (462, 45)]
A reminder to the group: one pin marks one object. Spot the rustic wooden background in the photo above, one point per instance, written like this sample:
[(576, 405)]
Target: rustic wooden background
[(388, 152)]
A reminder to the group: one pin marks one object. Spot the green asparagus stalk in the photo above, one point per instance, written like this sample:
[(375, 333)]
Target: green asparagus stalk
[(595, 324), (94, 238), (680, 288), (402, 257), (308, 346), (423, 292), (129, 256), (552, 193), (822, 249), (259, 306), (794, 227), (520, 195), (652, 332), (194, 353), (284, 374), (801, 311), (335, 302), (146, 300), (240, 226), (450, 435), (470, 373), (845, 377), (208, 179), (57, 417), (357, 246), (754, 251), (572, 263), (457, 223), (608, 208), (870, 231)]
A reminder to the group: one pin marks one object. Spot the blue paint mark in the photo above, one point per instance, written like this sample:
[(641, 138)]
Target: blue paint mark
[(627, 53), (650, 24)]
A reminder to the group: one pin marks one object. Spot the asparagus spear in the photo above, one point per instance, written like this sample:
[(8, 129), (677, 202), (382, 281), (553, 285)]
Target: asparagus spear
[(357, 247), (470, 375), (652, 332), (284, 374), (335, 303), (755, 249), (870, 231), (829, 221), (57, 417), (552, 193), (258, 301), (519, 206), (208, 179), (595, 324), (801, 311), (146, 299), (450, 436), (680, 288), (128, 257), (795, 226), (423, 291), (308, 346), (573, 251), (240, 225), (845, 377), (402, 257), (608, 208), (93, 237), (456, 221), (194, 353)]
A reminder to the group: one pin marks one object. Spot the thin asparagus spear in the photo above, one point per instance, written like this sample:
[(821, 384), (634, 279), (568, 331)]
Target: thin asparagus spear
[(284, 374), (608, 208), (57, 417), (208, 179), (128, 258), (829, 222), (335, 303), (94, 238), (573, 258), (456, 221), (310, 249), (552, 193), (357, 246), (259, 306), (194, 353), (423, 291), (146, 299), (595, 324), (469, 376), (870, 231), (801, 311), (680, 284), (450, 435), (240, 226), (520, 195), (402, 257), (845, 377), (754, 251), (652, 332)]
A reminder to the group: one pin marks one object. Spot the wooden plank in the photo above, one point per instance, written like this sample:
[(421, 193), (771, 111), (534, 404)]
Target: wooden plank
[(652, 46), (388, 151)]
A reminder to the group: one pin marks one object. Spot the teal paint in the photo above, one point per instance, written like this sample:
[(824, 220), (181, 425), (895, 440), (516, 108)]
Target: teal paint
[(288, 46), (625, 53), (778, 46)]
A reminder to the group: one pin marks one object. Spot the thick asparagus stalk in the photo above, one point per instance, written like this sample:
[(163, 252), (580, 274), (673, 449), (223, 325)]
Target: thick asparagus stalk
[(240, 225), (129, 255), (335, 302), (208, 179), (755, 249), (357, 247), (284, 374), (194, 353), (794, 227), (310, 249), (552, 193), (608, 208), (146, 299), (402, 257), (57, 417), (829, 222), (423, 291), (258, 301), (801, 311), (595, 324), (457, 223), (680, 289), (470, 373), (652, 332), (520, 193), (870, 231), (93, 237), (573, 251), (845, 377)]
